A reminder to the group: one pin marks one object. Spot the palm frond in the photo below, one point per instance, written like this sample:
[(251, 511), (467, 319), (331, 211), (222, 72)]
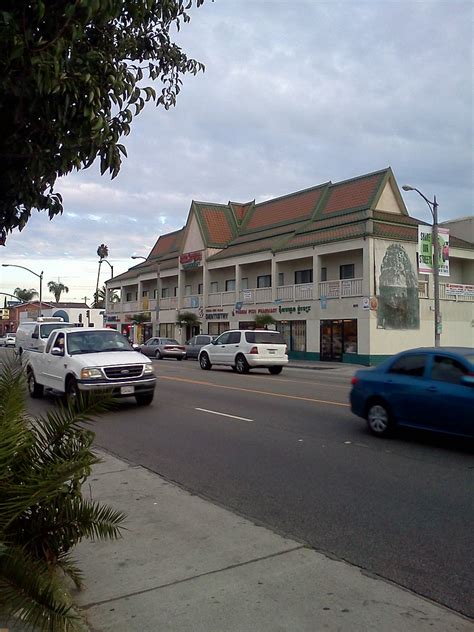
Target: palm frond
[(31, 593)]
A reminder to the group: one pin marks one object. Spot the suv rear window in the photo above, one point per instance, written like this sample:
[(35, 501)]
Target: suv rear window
[(265, 337)]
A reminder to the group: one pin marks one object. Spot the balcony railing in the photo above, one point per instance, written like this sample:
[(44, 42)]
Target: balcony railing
[(256, 295), (340, 288), (447, 291), (218, 299), (303, 292), (170, 302), (192, 301)]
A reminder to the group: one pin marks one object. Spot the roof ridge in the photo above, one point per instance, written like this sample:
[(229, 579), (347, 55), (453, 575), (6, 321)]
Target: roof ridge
[(282, 197), (361, 177)]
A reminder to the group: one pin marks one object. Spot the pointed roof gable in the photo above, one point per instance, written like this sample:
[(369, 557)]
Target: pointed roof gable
[(217, 223), (355, 194), (240, 210)]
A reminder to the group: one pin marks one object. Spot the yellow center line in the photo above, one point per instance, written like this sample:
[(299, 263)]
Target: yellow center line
[(251, 390)]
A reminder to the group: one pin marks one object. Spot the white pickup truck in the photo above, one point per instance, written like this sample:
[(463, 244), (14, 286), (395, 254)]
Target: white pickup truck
[(90, 359)]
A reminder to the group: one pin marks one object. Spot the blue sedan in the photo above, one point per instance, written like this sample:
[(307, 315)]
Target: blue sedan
[(428, 388)]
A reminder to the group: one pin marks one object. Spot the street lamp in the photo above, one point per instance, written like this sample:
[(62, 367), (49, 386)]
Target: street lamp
[(40, 277), (433, 206), (138, 257)]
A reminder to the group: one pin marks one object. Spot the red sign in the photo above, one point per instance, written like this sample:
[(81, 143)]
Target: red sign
[(190, 257)]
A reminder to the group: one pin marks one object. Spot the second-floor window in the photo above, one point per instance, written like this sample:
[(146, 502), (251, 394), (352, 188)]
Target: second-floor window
[(324, 274), (165, 292), (303, 276), (346, 271), (175, 291), (214, 286), (155, 293), (144, 293), (230, 285), (265, 280), (281, 278), (187, 290), (200, 288), (244, 283), (128, 296)]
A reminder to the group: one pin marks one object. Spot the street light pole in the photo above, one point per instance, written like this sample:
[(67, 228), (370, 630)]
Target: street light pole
[(433, 206), (40, 277)]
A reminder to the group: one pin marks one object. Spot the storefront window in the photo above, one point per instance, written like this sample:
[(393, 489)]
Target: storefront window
[(167, 330), (214, 329), (294, 333)]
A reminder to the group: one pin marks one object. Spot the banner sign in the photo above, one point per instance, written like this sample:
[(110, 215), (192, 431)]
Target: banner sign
[(425, 250), (191, 260), (459, 289)]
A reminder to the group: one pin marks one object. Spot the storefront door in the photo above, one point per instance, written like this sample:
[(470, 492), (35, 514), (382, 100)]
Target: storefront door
[(337, 337)]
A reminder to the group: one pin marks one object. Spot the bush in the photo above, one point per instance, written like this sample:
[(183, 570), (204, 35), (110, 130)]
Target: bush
[(44, 461)]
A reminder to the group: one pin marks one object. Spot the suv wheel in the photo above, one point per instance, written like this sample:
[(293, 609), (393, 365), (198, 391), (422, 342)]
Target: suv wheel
[(275, 370), (204, 361), (241, 364)]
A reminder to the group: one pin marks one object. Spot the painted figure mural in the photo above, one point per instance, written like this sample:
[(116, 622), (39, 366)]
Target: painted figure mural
[(398, 306)]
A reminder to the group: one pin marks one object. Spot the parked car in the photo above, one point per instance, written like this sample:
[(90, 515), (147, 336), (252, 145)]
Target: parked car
[(196, 343), (10, 340), (429, 388), (163, 348), (246, 349)]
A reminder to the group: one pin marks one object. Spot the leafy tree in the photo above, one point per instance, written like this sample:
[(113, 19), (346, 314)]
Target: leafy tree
[(139, 319), (25, 295), (262, 321), (57, 289), (44, 461), (72, 80), (99, 297), (187, 319)]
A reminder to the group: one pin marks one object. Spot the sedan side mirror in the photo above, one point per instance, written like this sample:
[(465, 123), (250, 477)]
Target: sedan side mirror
[(467, 380), (136, 347)]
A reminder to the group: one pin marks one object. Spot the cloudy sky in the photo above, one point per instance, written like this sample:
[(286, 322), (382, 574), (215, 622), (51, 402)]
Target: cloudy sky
[(294, 94)]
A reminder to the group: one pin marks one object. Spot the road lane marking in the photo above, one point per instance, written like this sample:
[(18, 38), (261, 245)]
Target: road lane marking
[(214, 412), (250, 390)]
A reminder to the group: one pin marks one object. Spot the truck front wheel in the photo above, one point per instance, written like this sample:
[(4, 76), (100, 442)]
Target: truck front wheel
[(35, 390), (72, 392)]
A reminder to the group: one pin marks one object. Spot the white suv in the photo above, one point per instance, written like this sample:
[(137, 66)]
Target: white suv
[(246, 349)]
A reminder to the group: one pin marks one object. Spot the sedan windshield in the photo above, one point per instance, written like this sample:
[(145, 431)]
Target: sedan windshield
[(97, 341)]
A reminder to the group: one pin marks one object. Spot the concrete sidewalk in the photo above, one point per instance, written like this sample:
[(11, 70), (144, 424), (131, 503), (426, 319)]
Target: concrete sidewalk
[(186, 565)]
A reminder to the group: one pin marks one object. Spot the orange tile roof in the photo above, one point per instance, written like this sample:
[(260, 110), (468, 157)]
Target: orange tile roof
[(241, 210), (352, 194), (167, 243), (217, 225), (322, 236), (297, 206)]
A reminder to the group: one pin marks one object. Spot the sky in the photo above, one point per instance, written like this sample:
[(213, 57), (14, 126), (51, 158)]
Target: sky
[(294, 94)]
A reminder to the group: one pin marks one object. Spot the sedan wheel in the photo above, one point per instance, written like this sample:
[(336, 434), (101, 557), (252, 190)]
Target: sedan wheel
[(158, 355), (378, 419)]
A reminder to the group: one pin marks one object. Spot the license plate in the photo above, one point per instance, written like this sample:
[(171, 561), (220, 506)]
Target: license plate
[(271, 351), (127, 390)]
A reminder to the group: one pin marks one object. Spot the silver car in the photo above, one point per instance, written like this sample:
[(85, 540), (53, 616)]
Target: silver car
[(163, 348), (194, 345)]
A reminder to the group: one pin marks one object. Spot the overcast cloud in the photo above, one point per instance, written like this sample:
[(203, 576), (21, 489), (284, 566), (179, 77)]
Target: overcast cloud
[(294, 94)]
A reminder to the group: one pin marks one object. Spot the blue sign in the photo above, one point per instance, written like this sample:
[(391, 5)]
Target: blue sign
[(324, 302), (239, 305)]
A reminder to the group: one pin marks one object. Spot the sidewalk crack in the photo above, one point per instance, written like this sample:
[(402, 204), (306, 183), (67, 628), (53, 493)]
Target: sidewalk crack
[(188, 579)]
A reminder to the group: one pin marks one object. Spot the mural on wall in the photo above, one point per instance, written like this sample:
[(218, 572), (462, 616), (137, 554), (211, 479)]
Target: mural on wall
[(397, 286)]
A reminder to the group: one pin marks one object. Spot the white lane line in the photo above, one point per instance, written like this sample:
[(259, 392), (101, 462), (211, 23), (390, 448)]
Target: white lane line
[(214, 412)]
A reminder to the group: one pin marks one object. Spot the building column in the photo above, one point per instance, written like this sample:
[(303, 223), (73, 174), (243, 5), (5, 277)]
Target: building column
[(180, 287), (274, 279), (316, 275), (139, 298), (157, 307), (368, 274), (238, 281)]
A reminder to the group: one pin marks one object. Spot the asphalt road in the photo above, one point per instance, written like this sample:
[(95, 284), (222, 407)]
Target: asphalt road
[(286, 452)]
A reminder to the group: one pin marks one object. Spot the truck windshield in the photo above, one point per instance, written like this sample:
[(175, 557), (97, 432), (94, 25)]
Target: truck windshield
[(45, 330), (96, 342)]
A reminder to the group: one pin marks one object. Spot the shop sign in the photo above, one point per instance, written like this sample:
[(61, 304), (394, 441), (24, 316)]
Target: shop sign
[(191, 260), (214, 309), (112, 319), (247, 294), (5, 313), (218, 316), (366, 303), (295, 309)]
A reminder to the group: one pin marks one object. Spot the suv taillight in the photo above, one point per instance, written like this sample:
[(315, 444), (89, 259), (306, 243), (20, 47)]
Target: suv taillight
[(254, 350), (354, 380)]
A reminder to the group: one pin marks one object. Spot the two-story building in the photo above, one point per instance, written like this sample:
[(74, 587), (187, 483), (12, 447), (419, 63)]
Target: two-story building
[(336, 265)]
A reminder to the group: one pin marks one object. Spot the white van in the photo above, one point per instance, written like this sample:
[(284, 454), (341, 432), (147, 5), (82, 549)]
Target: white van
[(32, 335)]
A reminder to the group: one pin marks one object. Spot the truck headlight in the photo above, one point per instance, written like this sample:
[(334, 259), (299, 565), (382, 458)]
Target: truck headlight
[(90, 373), (148, 368)]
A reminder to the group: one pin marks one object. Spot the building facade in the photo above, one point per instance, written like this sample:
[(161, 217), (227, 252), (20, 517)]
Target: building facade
[(335, 265)]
